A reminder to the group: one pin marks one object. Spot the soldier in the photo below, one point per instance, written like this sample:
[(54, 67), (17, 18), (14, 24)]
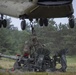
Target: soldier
[(62, 56), (26, 51), (55, 61), (20, 61), (34, 44)]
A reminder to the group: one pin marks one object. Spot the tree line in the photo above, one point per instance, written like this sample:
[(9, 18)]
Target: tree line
[(55, 37)]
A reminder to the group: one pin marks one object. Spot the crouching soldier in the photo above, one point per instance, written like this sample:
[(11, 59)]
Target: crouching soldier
[(21, 59), (60, 56)]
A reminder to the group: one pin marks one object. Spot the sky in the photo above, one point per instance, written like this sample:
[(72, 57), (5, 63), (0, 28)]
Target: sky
[(17, 21)]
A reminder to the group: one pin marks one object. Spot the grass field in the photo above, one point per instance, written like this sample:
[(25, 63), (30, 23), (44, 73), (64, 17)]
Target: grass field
[(71, 68), (6, 63), (71, 63)]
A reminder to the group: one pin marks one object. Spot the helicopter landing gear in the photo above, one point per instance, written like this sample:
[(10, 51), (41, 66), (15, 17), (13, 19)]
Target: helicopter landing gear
[(3, 22), (0, 23), (71, 21), (23, 24), (43, 21)]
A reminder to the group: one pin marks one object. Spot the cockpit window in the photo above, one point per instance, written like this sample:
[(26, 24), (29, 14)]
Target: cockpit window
[(52, 0)]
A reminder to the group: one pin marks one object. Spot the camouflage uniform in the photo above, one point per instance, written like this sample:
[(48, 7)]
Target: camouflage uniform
[(34, 45), (60, 56), (26, 49), (25, 55), (63, 59)]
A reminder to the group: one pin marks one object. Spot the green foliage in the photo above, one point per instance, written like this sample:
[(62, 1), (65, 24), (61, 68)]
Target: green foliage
[(1, 67), (12, 40), (54, 36), (57, 37)]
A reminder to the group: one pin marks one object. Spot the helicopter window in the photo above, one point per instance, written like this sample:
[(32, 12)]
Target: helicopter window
[(52, 0)]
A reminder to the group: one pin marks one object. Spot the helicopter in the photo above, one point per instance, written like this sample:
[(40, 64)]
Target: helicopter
[(40, 10)]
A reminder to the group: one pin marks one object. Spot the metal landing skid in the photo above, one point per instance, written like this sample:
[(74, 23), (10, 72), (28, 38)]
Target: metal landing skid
[(41, 21)]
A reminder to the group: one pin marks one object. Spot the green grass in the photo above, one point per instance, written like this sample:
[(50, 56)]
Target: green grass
[(6, 63), (36, 73), (71, 63)]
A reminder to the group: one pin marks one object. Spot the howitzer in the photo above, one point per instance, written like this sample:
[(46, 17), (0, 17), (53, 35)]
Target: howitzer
[(20, 60), (39, 61)]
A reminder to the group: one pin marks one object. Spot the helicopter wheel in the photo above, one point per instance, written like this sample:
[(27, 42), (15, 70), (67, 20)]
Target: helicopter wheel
[(36, 19), (71, 21), (45, 22), (4, 23), (0, 23), (41, 22), (23, 24)]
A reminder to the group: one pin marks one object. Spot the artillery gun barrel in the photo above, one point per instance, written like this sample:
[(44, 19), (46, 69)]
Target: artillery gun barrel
[(15, 57), (8, 56)]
